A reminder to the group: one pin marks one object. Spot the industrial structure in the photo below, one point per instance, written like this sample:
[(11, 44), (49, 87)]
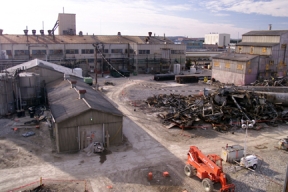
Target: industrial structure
[(80, 114), (141, 54), (260, 55), (24, 85), (219, 39)]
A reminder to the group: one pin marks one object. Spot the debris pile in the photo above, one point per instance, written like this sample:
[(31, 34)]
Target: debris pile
[(279, 81), (222, 108)]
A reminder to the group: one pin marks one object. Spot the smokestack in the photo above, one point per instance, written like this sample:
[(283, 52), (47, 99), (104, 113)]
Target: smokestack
[(26, 31), (1, 31), (34, 32), (270, 27), (49, 32), (73, 84), (82, 94), (42, 32), (149, 33)]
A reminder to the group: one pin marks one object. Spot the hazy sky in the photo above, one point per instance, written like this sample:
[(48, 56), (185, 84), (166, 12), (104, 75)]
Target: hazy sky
[(192, 18)]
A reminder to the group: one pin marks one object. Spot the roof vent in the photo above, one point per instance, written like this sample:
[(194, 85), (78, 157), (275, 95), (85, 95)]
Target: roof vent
[(42, 32), (149, 33), (1, 31), (73, 84), (34, 32), (270, 27), (26, 31), (80, 33), (119, 33), (49, 32), (82, 93)]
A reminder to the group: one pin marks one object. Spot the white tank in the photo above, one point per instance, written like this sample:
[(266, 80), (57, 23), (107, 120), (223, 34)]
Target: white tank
[(192, 70), (77, 71), (176, 69)]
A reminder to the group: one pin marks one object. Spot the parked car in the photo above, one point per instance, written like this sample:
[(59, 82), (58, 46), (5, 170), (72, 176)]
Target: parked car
[(28, 134)]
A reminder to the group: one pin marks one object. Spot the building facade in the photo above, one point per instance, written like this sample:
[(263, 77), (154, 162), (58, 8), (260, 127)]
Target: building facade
[(260, 55), (222, 39), (141, 54)]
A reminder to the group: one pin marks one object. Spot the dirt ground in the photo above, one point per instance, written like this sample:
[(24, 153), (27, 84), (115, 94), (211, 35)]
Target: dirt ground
[(148, 146)]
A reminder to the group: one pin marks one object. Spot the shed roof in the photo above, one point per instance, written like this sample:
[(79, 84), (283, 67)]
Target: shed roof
[(77, 39), (266, 33), (65, 103), (235, 56), (43, 64), (257, 44)]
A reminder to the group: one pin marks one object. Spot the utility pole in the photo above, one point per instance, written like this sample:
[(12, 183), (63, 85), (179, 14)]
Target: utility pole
[(95, 63)]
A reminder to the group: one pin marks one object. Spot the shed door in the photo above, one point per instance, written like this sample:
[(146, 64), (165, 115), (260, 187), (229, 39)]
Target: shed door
[(68, 139), (92, 133)]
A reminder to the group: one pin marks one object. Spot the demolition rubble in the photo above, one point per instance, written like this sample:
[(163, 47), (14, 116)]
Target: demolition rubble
[(223, 108)]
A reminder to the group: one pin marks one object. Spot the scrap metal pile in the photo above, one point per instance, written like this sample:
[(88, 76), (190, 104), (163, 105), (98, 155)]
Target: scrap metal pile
[(279, 81), (222, 108)]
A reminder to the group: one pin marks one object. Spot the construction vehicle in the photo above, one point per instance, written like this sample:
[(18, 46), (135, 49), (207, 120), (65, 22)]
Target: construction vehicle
[(208, 169)]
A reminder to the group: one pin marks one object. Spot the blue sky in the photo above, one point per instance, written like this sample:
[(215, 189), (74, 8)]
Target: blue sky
[(191, 18)]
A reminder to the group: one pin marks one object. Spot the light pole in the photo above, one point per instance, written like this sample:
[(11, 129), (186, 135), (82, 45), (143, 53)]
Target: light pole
[(245, 125)]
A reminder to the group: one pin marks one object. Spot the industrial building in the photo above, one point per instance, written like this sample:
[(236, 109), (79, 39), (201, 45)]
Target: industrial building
[(141, 54), (260, 55), (82, 116), (24, 85), (219, 39)]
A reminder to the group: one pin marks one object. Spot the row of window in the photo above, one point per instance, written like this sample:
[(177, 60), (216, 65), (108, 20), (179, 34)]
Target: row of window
[(83, 51)]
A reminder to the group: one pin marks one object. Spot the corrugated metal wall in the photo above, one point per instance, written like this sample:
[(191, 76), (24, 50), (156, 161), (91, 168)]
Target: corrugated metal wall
[(236, 72), (261, 39), (46, 74), (92, 118)]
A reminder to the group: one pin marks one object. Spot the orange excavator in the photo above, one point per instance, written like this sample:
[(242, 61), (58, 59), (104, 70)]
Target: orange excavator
[(208, 169)]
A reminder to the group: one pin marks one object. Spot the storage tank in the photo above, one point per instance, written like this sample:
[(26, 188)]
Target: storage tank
[(176, 69), (29, 85), (192, 70), (77, 71), (6, 95)]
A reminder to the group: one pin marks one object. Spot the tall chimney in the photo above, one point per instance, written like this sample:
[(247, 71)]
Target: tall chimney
[(26, 31), (73, 84), (34, 32), (1, 31), (149, 33), (270, 27), (42, 32), (82, 94)]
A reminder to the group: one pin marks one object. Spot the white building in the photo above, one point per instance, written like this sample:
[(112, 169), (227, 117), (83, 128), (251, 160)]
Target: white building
[(221, 39)]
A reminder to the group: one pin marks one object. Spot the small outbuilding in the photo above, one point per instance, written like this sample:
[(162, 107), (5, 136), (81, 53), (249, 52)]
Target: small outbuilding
[(82, 115)]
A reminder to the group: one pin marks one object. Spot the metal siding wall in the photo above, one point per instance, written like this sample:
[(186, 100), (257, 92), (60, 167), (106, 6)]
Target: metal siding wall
[(112, 124), (228, 77), (115, 131), (67, 139), (261, 39), (46, 74)]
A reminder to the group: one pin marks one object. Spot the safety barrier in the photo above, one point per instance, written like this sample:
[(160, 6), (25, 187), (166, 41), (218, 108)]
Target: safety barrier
[(54, 184)]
